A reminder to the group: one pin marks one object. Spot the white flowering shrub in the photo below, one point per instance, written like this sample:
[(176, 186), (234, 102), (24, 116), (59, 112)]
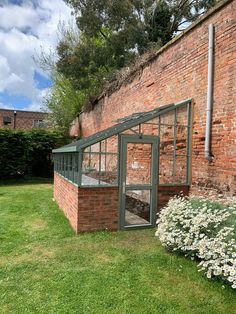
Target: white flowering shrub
[(201, 230)]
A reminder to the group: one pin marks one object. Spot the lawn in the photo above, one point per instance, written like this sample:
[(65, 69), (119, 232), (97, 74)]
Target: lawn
[(45, 268)]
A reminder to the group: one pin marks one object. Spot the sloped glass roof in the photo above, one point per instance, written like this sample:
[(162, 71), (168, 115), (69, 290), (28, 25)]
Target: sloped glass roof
[(122, 125)]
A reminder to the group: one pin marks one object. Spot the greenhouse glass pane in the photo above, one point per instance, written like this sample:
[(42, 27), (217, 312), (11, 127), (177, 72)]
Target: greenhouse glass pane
[(182, 115), (137, 207), (99, 169), (181, 140), (166, 169), (110, 145), (166, 139), (138, 165), (180, 169), (168, 118), (150, 127)]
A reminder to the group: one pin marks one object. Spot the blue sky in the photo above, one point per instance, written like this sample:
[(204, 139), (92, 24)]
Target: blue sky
[(26, 28)]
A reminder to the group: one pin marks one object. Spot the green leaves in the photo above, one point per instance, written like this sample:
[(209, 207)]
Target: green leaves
[(23, 153), (63, 102)]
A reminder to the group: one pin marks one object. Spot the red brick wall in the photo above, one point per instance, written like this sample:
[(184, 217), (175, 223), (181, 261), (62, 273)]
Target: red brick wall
[(66, 196), (24, 119), (87, 209), (179, 72), (165, 192), (98, 209)]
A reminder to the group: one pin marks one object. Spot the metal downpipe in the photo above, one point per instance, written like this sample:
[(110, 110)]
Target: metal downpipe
[(208, 155)]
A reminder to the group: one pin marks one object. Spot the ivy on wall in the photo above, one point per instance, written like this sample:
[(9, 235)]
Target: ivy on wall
[(25, 153)]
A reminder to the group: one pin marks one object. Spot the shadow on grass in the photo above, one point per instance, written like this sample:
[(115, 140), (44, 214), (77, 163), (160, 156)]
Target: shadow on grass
[(25, 181)]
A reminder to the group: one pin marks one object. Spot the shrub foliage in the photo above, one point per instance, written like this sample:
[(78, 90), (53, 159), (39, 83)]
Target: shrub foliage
[(27, 152), (201, 230)]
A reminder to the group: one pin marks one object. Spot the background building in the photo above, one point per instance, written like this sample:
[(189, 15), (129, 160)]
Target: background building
[(22, 120)]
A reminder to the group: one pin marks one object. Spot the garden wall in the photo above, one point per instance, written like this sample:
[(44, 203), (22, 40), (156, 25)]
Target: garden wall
[(178, 72)]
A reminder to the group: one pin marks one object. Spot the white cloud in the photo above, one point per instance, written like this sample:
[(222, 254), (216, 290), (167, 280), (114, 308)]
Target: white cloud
[(57, 11), (37, 101), (4, 69), (18, 17), (24, 31), (16, 51)]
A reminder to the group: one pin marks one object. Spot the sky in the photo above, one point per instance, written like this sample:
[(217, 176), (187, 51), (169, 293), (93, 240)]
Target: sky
[(26, 28)]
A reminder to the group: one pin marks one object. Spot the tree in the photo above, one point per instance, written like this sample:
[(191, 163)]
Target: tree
[(165, 18), (63, 103), (134, 24), (88, 62), (113, 33)]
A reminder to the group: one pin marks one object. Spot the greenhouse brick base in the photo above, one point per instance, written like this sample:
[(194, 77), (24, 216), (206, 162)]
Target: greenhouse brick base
[(92, 209)]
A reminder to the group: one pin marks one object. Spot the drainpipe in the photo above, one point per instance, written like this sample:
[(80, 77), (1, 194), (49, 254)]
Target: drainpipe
[(208, 155), (14, 120)]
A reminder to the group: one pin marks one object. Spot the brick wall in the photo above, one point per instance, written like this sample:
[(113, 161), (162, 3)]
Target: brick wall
[(24, 120), (98, 209), (87, 209), (179, 72), (165, 192), (66, 196)]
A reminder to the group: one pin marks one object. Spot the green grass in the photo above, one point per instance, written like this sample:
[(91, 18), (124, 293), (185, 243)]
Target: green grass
[(45, 268)]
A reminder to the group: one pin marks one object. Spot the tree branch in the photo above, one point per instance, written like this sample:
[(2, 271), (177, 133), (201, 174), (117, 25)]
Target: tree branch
[(103, 35)]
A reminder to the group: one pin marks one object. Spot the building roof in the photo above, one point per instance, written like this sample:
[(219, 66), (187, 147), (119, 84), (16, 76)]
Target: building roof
[(122, 125), (25, 111)]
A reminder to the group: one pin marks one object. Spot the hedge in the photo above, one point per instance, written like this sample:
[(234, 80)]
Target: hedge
[(25, 153)]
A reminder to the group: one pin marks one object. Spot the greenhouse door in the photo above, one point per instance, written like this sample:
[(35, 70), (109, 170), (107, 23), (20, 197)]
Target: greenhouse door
[(138, 181)]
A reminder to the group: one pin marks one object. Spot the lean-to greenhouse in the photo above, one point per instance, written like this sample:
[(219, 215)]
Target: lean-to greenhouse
[(119, 178)]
